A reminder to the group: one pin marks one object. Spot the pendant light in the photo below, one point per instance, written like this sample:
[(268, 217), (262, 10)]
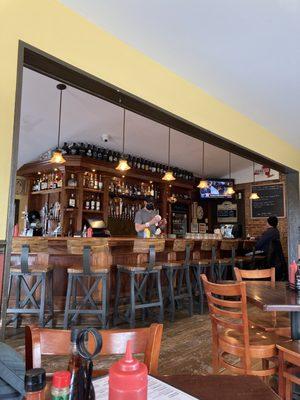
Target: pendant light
[(254, 195), (230, 191), (203, 184), (123, 165), (168, 176), (57, 157)]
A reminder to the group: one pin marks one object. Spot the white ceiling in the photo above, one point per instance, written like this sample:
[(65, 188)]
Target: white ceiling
[(244, 52), (85, 118)]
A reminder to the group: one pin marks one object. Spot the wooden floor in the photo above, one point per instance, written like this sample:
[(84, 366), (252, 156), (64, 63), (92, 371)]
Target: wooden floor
[(186, 347)]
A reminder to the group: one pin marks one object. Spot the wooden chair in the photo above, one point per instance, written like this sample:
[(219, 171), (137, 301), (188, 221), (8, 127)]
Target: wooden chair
[(265, 320), (178, 276), (203, 262), (92, 280), (142, 275), (31, 277), (251, 260), (288, 368), (234, 345), (52, 342), (226, 258)]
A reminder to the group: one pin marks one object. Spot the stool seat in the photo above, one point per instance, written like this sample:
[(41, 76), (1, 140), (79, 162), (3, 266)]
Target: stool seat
[(32, 269), (172, 264), (203, 261), (225, 260), (93, 271), (139, 267)]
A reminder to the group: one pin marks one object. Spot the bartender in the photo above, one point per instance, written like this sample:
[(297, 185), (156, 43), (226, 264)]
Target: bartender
[(147, 218)]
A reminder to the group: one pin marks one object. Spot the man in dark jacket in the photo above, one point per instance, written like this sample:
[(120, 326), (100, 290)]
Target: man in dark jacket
[(269, 235)]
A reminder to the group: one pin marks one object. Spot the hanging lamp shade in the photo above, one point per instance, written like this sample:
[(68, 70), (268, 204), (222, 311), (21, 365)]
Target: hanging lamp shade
[(230, 190), (203, 184), (123, 164), (254, 195), (57, 156), (168, 176)]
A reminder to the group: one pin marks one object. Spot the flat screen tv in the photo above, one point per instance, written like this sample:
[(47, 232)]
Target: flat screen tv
[(216, 189)]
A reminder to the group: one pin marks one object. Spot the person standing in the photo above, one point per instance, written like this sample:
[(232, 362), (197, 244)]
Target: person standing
[(146, 218)]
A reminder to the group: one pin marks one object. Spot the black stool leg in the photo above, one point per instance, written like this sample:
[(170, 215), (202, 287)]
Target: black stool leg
[(49, 293), (132, 301), (67, 305), (189, 290), (42, 300), (117, 298), (160, 298), (16, 322), (170, 275), (104, 302)]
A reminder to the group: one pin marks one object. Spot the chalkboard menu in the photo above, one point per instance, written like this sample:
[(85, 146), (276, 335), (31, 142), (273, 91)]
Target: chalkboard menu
[(271, 201)]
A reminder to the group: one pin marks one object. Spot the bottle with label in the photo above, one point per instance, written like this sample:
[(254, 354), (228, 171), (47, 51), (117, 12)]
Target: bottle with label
[(75, 363), (297, 279), (35, 382), (93, 203), (100, 183), (96, 182), (72, 201), (98, 204), (84, 231), (60, 388), (72, 182), (87, 204)]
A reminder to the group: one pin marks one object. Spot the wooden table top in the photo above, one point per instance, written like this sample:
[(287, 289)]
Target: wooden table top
[(214, 387), (225, 387), (273, 296)]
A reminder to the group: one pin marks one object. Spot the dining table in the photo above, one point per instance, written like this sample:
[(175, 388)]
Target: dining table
[(217, 387), (276, 296)]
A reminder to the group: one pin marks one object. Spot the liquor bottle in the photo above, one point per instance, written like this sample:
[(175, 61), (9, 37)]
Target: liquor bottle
[(110, 156), (94, 152), (85, 180), (91, 181), (142, 163), (146, 165), (87, 204), (100, 183), (74, 149), (35, 382), (96, 182), (70, 228), (89, 151), (72, 182), (75, 363), (93, 203), (115, 156), (98, 204), (297, 280), (72, 201), (105, 155), (65, 149), (99, 153), (81, 149), (138, 163), (59, 181)]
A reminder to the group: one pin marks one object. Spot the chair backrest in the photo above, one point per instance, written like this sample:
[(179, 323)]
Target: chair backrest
[(53, 342), (242, 274), (228, 309), (249, 245), (180, 246), (32, 251), (94, 252), (208, 244), (142, 246)]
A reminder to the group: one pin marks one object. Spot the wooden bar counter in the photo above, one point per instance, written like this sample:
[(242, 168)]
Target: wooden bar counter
[(60, 258)]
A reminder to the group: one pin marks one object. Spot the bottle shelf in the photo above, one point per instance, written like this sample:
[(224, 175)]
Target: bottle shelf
[(71, 187), (70, 209), (132, 198), (93, 190), (47, 191)]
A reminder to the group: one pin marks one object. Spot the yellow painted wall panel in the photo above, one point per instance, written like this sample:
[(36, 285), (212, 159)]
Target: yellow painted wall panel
[(53, 28)]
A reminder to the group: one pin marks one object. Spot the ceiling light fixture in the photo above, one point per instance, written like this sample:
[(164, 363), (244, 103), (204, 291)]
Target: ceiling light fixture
[(230, 191), (57, 156), (168, 176), (253, 195), (123, 165), (203, 184)]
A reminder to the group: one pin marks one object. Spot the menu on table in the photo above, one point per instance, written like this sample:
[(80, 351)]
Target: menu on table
[(157, 390)]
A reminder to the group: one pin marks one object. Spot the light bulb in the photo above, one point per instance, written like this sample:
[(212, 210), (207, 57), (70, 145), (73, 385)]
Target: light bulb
[(202, 184), (57, 157), (168, 176), (123, 165), (230, 191), (254, 196)]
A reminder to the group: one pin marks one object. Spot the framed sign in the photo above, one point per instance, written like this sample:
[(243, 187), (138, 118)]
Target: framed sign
[(271, 200), (227, 212)]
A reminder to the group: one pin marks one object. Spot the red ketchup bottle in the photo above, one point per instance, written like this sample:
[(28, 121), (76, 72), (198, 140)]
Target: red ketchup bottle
[(128, 378)]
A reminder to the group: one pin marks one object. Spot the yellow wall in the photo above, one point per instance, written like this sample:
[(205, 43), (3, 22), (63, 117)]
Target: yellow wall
[(53, 28)]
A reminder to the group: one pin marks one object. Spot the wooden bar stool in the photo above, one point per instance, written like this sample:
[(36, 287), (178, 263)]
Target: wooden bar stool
[(203, 261), (178, 276), (269, 321), (33, 277), (236, 345), (288, 368), (226, 259), (249, 261), (143, 274), (91, 280)]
